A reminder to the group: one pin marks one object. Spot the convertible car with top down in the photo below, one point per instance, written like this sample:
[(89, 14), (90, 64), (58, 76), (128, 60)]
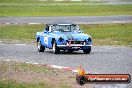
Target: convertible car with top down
[(67, 37)]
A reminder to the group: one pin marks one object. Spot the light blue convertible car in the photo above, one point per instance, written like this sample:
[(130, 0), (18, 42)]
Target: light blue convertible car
[(67, 37)]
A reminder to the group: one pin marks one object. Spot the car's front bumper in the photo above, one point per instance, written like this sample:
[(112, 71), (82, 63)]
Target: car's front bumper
[(74, 47)]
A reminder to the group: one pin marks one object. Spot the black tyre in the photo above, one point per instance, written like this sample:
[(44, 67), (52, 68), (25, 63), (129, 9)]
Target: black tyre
[(40, 47), (55, 49), (87, 51), (81, 80)]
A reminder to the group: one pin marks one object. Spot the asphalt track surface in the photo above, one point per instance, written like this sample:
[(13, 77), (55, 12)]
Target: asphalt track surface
[(102, 59), (68, 19)]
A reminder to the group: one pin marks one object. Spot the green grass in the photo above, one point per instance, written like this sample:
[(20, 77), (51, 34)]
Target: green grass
[(103, 34), (42, 1), (29, 71), (43, 9), (19, 32), (11, 84), (110, 34)]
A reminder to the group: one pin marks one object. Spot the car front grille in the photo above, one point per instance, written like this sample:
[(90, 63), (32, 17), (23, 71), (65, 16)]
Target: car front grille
[(76, 42)]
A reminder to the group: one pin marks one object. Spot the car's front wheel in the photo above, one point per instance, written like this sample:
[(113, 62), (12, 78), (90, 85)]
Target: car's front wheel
[(55, 49), (40, 47), (87, 51)]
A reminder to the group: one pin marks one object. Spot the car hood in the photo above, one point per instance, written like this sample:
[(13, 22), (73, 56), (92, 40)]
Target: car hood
[(71, 35)]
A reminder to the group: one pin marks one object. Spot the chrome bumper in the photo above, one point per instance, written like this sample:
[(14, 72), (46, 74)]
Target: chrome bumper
[(73, 45)]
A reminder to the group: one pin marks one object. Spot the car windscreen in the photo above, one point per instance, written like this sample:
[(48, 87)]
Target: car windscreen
[(64, 28)]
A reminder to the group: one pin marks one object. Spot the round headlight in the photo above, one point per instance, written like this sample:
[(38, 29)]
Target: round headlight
[(61, 39), (89, 39)]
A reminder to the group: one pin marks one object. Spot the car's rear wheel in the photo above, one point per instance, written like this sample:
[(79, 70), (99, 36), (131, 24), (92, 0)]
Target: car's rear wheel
[(40, 47), (55, 49), (87, 51)]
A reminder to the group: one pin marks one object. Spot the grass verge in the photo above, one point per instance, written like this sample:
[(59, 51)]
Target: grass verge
[(102, 34), (22, 75), (12, 84), (110, 34), (61, 9)]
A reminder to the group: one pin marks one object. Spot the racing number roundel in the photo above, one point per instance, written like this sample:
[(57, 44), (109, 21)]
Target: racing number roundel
[(46, 40)]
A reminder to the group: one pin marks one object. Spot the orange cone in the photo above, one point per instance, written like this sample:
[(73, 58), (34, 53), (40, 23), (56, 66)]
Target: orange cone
[(81, 71)]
